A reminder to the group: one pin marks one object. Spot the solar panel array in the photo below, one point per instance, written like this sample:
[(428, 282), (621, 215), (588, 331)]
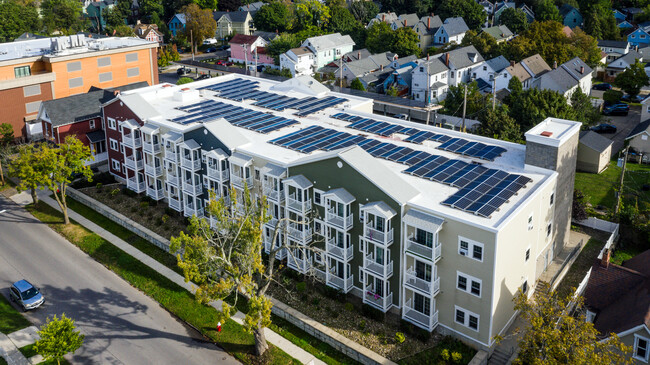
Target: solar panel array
[(456, 145), (242, 89), (241, 117)]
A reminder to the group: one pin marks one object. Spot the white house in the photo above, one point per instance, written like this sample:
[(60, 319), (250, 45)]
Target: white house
[(527, 71), (461, 62), (567, 78), (620, 64), (490, 70), (328, 48), (299, 61), (437, 73), (614, 49), (451, 31)]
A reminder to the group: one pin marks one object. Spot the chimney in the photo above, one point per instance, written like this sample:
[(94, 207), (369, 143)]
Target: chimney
[(554, 65), (447, 59), (428, 22), (512, 63), (428, 57), (383, 17), (358, 55), (604, 262), (406, 22), (382, 67), (582, 69), (138, 22)]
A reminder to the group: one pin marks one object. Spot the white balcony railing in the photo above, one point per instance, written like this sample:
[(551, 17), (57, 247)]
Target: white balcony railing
[(428, 322), (381, 270), (129, 141), (298, 206), (218, 175), (152, 170), (239, 181), (334, 219), (134, 164), (300, 265), (171, 155), (151, 147), (191, 188), (190, 164), (340, 253), (304, 235), (154, 193), (344, 284), (173, 179), (382, 303), (430, 287), (430, 253), (135, 185), (189, 211), (381, 237), (319, 274), (175, 204), (100, 157), (273, 194)]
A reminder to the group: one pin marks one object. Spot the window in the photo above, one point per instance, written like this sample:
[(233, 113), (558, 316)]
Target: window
[(257, 174), (32, 107), (92, 124), (549, 229), (552, 199), (464, 247), (467, 318), (113, 144), (641, 348), (31, 90), (75, 82), (131, 57), (111, 123), (121, 147), (132, 72), (527, 254), (462, 283), (473, 249), (477, 253), (115, 164), (468, 284), (104, 61), (22, 71), (318, 197), (484, 68), (460, 316), (74, 66), (524, 287), (318, 257), (105, 77), (473, 322), (530, 222), (318, 227)]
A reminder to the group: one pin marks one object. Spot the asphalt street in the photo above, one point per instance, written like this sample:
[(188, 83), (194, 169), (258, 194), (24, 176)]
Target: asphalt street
[(624, 125), (121, 324)]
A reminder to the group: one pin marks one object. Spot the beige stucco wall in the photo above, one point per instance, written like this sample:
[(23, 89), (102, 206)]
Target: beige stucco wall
[(590, 160)]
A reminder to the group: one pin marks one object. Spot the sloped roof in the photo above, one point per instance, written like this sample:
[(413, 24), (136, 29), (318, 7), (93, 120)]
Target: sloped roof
[(233, 16), (243, 39), (498, 63), (454, 26), (463, 57), (407, 20), (640, 128), (536, 64), (575, 66), (434, 23), (612, 44), (566, 9), (357, 54), (330, 41), (559, 80), (407, 59), (629, 58), (595, 141), (252, 7), (499, 32), (436, 65), (267, 36), (180, 17)]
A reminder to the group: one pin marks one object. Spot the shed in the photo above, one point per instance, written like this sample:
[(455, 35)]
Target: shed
[(639, 140), (594, 152)]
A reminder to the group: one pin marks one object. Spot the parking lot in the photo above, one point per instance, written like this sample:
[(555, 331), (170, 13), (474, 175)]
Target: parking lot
[(624, 126)]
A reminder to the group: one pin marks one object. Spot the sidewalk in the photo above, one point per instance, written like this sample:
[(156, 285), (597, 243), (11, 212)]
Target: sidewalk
[(9, 345), (271, 336)]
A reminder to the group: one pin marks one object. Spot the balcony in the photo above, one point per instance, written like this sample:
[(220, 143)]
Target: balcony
[(273, 194), (340, 253), (381, 237), (431, 288), (155, 194), (218, 175), (100, 157), (128, 141), (151, 148), (135, 185), (154, 171), (381, 303), (192, 165), (381, 270), (344, 284), (192, 188), (134, 164), (319, 274), (428, 322), (189, 211), (171, 155), (239, 181), (303, 236), (334, 219), (173, 179), (431, 253), (300, 265), (298, 206)]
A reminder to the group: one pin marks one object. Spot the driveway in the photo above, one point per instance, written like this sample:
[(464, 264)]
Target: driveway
[(121, 324), (624, 126)]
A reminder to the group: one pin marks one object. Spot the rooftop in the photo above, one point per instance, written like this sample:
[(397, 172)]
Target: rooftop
[(161, 103)]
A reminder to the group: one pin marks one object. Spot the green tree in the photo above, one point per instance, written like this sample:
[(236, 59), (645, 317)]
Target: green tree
[(357, 85), (62, 15), (484, 43), (553, 336), (199, 24), (229, 5), (546, 10), (281, 44), (206, 4), (392, 91), (380, 38), (632, 79), (405, 42), (114, 18), (599, 20), (364, 11), (27, 168), (473, 13), (585, 112), (476, 101), (16, 19), (6, 134), (342, 21), (532, 106), (184, 80), (498, 124), (149, 7), (273, 17), (57, 338), (310, 14), (121, 30), (61, 164), (515, 19)]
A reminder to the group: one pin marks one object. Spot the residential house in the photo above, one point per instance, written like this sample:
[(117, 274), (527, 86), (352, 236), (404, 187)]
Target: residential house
[(400, 79), (499, 7), (488, 7), (375, 81), (621, 64), (176, 24), (405, 20), (425, 29), (252, 7), (571, 17), (618, 15), (530, 14), (268, 36), (353, 56), (638, 138), (500, 33), (594, 152), (387, 18), (300, 61), (451, 31), (149, 32), (364, 66), (527, 71), (632, 12), (490, 71), (328, 48), (248, 49), (624, 24), (95, 13), (233, 22), (567, 78), (460, 62), (639, 38), (429, 80), (645, 109), (618, 301), (614, 49), (401, 240)]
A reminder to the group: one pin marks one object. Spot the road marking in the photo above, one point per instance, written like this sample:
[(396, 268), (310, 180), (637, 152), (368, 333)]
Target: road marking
[(2, 211)]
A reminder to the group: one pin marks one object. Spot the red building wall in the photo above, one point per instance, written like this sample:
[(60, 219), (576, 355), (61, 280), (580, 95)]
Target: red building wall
[(78, 129), (120, 113)]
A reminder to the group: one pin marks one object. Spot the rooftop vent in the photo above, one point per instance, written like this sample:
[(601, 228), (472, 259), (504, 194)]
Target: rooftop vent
[(546, 134)]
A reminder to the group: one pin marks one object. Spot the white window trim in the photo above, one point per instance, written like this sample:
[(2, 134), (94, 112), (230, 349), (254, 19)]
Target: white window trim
[(115, 164), (470, 248), (636, 343), (469, 279), (361, 216), (112, 124), (322, 227), (320, 192), (121, 147), (92, 124), (113, 144), (467, 314), (527, 251)]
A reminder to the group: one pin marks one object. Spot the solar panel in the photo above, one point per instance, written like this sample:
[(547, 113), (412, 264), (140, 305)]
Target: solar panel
[(276, 126), (281, 140), (404, 151), (414, 158), (349, 141), (389, 151), (369, 143)]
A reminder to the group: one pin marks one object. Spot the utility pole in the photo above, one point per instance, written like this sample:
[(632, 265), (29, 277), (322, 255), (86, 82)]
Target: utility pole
[(619, 193), (464, 109), (427, 98), (192, 42), (494, 92), (341, 73), (255, 61), (245, 58)]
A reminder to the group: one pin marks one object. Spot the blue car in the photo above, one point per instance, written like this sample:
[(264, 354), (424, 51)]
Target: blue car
[(26, 295), (603, 86), (616, 109)]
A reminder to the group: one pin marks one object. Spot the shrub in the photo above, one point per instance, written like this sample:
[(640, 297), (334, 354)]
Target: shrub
[(372, 313), (130, 193), (144, 205), (301, 286), (99, 186), (612, 96), (399, 337), (315, 301), (349, 307), (169, 211), (362, 324), (164, 218), (456, 357), (445, 354), (114, 192), (184, 80)]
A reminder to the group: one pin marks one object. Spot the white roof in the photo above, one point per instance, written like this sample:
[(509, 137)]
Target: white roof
[(425, 221), (240, 159), (190, 145), (299, 181), (273, 170), (341, 195), (230, 135), (379, 208), (149, 128), (329, 41), (217, 154), (302, 84)]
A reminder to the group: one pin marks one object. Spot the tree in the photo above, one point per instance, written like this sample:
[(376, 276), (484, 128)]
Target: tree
[(199, 24), (27, 168), (392, 91), (579, 206), (364, 11), (273, 17), (310, 14), (380, 38), (206, 4), (498, 124), (57, 338), (228, 260), (546, 10), (62, 15), (599, 20), (554, 336), (342, 21), (484, 43), (122, 30), (632, 79), (281, 44), (357, 85), (114, 17), (229, 5), (16, 19), (475, 100), (532, 106), (515, 19), (585, 112), (184, 80), (586, 47), (473, 13), (405, 42), (60, 164), (149, 7), (6, 134)]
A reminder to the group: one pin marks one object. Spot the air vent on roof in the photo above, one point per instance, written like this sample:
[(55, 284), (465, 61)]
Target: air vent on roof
[(546, 134)]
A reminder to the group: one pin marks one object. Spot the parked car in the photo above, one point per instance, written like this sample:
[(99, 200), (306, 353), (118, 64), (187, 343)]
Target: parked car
[(616, 109), (604, 128), (602, 86), (26, 295), (402, 116), (203, 77), (631, 99), (224, 48), (183, 71), (210, 50), (210, 41)]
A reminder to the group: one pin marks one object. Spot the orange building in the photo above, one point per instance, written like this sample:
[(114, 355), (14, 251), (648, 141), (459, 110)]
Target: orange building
[(36, 70)]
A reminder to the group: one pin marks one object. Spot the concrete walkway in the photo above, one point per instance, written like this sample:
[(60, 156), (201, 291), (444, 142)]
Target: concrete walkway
[(271, 336), (9, 345)]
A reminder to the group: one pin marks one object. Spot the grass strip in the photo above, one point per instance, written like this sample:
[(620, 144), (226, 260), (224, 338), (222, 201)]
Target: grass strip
[(580, 266), (298, 337), (435, 355), (11, 320), (233, 338)]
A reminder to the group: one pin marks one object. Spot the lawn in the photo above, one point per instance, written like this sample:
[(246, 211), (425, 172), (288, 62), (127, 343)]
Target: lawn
[(434, 355), (10, 319), (580, 266), (29, 351), (172, 297), (599, 188)]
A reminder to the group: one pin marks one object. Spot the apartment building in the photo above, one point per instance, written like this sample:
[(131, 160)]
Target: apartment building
[(36, 70), (439, 227)]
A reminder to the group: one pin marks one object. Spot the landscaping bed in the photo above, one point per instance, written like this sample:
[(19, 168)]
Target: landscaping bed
[(580, 267)]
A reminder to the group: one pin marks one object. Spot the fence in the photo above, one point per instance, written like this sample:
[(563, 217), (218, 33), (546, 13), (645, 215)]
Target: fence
[(601, 225), (566, 264)]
